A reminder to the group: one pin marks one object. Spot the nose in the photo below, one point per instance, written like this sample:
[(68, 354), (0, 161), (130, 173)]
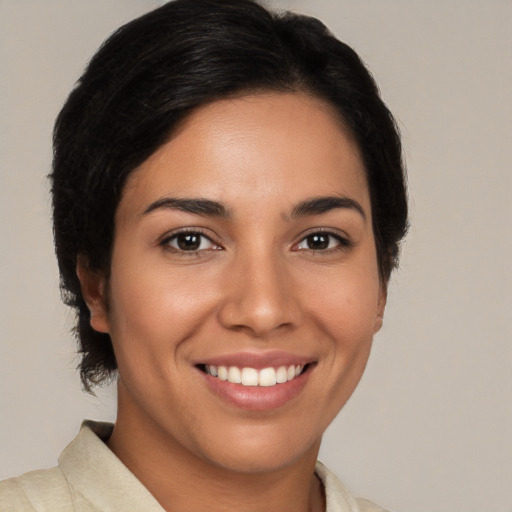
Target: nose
[(260, 296)]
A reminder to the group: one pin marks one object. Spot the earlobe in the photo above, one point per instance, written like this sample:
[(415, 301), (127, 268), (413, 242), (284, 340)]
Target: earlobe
[(381, 306), (93, 287)]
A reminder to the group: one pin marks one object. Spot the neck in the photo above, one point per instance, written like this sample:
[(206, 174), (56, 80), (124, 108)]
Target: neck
[(181, 481)]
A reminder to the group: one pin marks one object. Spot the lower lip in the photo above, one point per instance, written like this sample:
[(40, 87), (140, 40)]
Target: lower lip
[(258, 398)]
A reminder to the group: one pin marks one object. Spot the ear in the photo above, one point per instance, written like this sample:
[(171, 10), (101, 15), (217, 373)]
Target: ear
[(94, 292), (381, 305)]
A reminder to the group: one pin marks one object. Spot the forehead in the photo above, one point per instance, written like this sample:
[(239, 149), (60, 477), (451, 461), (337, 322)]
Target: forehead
[(259, 146)]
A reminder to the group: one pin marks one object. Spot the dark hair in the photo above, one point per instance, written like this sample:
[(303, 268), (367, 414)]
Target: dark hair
[(150, 74)]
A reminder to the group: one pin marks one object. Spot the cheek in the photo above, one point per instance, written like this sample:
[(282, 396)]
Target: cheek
[(346, 303), (346, 311), (153, 310)]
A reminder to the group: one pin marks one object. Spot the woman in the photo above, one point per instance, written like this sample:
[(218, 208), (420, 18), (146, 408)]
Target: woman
[(228, 197)]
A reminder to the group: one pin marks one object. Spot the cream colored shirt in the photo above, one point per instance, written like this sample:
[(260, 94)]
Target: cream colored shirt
[(90, 478)]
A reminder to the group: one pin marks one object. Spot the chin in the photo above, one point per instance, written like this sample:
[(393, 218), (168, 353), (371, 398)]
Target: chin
[(259, 450)]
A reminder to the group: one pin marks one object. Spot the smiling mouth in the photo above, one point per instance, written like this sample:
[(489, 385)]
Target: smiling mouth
[(247, 376)]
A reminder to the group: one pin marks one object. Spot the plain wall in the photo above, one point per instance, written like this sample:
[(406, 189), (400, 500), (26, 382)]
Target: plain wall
[(429, 428)]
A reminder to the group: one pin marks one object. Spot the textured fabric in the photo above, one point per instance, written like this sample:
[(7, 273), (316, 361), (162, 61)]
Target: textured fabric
[(90, 478)]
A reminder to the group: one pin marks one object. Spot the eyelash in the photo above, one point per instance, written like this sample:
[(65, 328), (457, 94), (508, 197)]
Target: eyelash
[(167, 242), (342, 243)]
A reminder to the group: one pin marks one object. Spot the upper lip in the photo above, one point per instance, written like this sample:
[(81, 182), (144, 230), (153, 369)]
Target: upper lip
[(257, 360)]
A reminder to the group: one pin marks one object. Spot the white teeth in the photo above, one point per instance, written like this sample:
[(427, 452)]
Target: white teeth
[(281, 374), (251, 377), (234, 375), (267, 377)]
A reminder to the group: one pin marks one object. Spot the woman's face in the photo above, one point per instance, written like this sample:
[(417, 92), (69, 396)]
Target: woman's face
[(244, 250)]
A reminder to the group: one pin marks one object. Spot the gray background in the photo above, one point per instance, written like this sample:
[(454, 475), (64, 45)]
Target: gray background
[(429, 428)]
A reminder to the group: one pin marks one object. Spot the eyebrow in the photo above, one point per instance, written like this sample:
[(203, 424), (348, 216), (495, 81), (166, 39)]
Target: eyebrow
[(210, 208), (319, 205), (198, 206)]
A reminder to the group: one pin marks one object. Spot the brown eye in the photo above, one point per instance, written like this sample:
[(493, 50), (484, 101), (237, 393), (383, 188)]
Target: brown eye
[(190, 242), (318, 241), (321, 241)]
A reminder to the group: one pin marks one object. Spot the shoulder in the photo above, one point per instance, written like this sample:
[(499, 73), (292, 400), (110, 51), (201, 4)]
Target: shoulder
[(54, 490), (368, 506), (89, 478), (339, 498), (42, 490)]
